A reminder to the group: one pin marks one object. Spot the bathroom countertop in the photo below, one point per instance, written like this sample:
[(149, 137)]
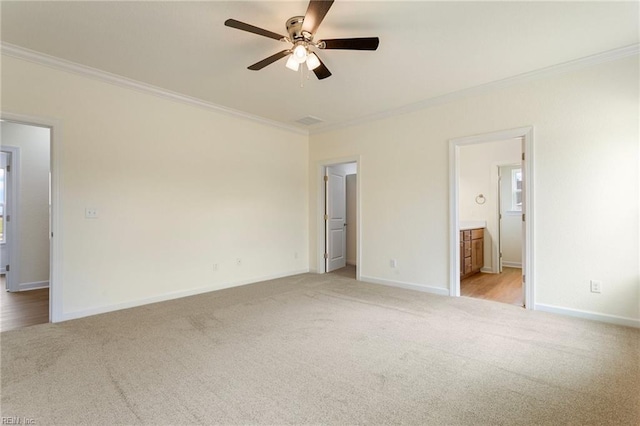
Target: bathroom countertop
[(472, 224)]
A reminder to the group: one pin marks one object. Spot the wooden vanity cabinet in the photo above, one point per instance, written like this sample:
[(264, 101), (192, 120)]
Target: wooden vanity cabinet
[(471, 251)]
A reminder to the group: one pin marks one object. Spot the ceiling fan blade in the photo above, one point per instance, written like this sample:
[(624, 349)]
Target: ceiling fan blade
[(322, 71), (268, 61), (316, 11), (252, 29), (364, 43)]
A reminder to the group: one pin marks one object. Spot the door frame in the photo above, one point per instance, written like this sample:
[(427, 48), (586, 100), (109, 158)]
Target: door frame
[(55, 240), (13, 228), (329, 199), (321, 166), (526, 134)]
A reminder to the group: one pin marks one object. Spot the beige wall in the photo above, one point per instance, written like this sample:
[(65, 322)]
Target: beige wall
[(33, 197), (178, 189), (586, 185)]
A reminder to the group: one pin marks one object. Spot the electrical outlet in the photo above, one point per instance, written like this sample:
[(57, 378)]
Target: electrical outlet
[(393, 263), (215, 266), (596, 286), (90, 213), (239, 262), (295, 255)]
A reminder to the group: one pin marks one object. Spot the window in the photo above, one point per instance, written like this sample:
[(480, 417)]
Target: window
[(516, 190)]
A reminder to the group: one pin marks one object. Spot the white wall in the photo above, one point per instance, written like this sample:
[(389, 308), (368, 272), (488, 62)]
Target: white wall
[(586, 185), (478, 175), (178, 189), (352, 219), (33, 197)]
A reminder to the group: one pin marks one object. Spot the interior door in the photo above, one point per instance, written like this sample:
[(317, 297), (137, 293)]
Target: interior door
[(336, 218), (5, 159), (500, 213), (523, 225)]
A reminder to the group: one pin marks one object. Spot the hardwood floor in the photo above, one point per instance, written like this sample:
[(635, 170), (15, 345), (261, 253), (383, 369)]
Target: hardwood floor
[(24, 308), (505, 287)]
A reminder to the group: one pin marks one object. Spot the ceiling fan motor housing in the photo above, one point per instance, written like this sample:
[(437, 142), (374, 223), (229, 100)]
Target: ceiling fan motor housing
[(294, 28)]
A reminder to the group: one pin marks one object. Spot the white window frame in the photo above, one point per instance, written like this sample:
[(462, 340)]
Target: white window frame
[(515, 191)]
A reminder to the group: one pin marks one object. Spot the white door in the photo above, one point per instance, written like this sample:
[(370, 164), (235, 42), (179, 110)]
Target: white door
[(510, 217), (336, 219), (5, 161), (523, 189)]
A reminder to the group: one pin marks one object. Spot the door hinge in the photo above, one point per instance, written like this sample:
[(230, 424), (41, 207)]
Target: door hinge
[(523, 156), (326, 255), (500, 216), (8, 169), (326, 217), (500, 255), (524, 278), (523, 217), (8, 218), (326, 178), (8, 268)]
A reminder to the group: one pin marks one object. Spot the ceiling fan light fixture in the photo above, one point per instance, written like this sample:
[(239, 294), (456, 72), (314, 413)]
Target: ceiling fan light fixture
[(300, 53), (292, 63), (313, 61)]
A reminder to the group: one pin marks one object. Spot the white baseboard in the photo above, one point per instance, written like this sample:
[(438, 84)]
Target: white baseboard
[(352, 262), (595, 316), (33, 285), (411, 286), (512, 264), (173, 295)]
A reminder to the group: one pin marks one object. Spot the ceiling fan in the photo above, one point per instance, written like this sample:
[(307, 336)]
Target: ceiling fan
[(301, 30)]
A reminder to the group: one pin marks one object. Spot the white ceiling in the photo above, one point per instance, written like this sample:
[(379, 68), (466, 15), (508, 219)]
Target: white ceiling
[(427, 49)]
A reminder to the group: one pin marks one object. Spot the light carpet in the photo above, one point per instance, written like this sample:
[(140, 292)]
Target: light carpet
[(322, 349)]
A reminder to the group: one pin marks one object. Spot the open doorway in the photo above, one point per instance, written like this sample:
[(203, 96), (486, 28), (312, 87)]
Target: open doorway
[(338, 239), (341, 219), (491, 217), (25, 221)]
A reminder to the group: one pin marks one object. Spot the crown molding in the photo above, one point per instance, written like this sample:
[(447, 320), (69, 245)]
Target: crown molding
[(96, 74), (64, 65), (577, 64)]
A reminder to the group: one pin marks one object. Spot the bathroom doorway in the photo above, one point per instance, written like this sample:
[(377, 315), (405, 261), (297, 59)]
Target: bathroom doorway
[(490, 217)]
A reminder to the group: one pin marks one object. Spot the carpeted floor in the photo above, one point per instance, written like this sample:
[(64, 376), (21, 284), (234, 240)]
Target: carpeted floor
[(323, 349)]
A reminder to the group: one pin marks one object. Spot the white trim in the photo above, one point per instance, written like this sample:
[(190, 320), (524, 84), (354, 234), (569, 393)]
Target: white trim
[(33, 286), (526, 133), (173, 295), (511, 264), (14, 225), (441, 291), (564, 67), (320, 231), (595, 316), (55, 253), (96, 74), (64, 65)]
